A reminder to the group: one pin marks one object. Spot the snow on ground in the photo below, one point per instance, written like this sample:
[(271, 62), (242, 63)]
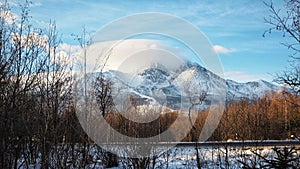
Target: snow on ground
[(186, 157)]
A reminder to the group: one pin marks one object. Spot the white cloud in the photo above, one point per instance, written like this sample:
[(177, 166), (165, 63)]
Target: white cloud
[(131, 55), (70, 49), (32, 39), (242, 77), (8, 16), (67, 54), (222, 49)]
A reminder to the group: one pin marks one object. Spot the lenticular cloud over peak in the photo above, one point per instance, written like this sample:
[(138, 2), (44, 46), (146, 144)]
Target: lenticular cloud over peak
[(134, 53)]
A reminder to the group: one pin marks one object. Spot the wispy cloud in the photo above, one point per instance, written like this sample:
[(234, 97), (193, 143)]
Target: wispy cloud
[(222, 49), (17, 3), (36, 4)]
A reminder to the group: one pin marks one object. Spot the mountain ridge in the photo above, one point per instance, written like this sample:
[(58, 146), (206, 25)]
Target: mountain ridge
[(156, 85)]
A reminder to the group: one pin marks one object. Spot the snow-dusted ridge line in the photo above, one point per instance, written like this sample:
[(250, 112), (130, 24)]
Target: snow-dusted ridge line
[(158, 85)]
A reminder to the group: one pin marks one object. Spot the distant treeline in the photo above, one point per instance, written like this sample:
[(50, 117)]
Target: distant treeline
[(275, 116)]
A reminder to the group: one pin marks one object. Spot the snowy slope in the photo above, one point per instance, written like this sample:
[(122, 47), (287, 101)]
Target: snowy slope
[(250, 90), (157, 85)]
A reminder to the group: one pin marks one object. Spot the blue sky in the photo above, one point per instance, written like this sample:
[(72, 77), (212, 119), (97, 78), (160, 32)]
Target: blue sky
[(234, 27)]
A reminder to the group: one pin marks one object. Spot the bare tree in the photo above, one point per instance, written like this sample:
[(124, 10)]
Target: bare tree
[(287, 21), (103, 92), (196, 94), (290, 77), (100, 88), (35, 89)]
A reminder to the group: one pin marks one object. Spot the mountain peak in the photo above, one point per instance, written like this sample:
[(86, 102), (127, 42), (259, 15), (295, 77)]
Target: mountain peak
[(157, 83)]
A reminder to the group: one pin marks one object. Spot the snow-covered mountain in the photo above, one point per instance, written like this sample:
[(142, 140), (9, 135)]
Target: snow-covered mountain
[(250, 90), (179, 88)]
